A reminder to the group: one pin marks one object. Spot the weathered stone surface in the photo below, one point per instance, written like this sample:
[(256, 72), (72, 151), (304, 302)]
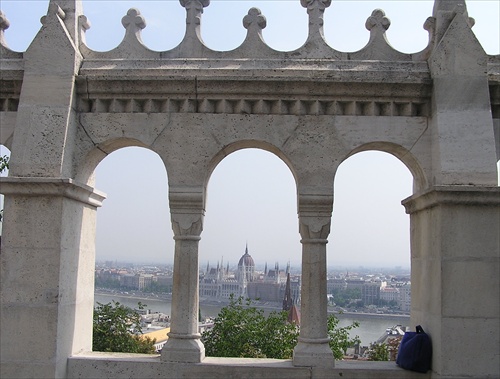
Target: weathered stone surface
[(64, 108)]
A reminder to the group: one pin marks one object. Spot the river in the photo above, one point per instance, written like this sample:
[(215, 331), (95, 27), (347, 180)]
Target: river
[(371, 327)]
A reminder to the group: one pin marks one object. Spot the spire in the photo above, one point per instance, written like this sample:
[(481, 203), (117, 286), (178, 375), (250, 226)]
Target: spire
[(287, 300), (246, 249), (208, 266), (265, 270)]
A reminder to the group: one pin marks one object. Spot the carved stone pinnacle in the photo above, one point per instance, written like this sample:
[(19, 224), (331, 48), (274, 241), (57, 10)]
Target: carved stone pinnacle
[(377, 21), (254, 18), (134, 18)]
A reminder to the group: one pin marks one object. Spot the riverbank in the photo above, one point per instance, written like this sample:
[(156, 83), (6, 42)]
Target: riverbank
[(371, 325), (258, 304)]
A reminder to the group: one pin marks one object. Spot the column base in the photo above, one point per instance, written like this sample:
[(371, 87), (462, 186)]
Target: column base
[(313, 353), (185, 350)]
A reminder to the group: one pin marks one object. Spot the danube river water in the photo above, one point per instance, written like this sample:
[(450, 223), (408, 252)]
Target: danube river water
[(371, 327)]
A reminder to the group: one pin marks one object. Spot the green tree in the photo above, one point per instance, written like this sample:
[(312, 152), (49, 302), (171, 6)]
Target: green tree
[(378, 352), (242, 330), (116, 328), (4, 163), (339, 336), (343, 297)]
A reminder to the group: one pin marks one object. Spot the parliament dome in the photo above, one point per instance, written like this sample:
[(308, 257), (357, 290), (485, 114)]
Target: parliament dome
[(246, 259)]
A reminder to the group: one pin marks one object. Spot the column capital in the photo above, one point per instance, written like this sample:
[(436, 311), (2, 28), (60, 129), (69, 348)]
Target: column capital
[(315, 212), (187, 212)]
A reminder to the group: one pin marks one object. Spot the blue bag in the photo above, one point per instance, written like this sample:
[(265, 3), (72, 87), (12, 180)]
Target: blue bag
[(415, 351)]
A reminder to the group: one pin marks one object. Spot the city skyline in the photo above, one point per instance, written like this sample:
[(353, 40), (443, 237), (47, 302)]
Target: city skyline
[(368, 223)]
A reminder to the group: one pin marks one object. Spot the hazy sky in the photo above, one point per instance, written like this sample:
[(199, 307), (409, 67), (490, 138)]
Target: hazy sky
[(252, 194)]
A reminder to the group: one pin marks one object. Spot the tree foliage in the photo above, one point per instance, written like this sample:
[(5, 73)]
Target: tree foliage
[(339, 336), (242, 330), (345, 297), (378, 352), (116, 328), (4, 163)]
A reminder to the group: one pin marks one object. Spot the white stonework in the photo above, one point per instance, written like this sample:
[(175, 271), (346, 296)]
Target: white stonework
[(64, 108)]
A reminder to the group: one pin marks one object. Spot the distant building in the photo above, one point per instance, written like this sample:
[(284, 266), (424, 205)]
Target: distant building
[(405, 297), (370, 292), (389, 294), (219, 283)]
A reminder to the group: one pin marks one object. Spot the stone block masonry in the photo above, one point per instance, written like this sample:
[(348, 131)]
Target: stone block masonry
[(64, 108)]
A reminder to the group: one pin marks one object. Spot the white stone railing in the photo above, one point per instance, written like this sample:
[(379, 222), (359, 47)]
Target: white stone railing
[(120, 365)]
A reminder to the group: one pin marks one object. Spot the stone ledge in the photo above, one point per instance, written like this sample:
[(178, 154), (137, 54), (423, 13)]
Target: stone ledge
[(453, 194), (119, 365), (65, 187)]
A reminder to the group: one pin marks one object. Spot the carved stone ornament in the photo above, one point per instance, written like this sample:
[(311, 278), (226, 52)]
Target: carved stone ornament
[(4, 25), (254, 20)]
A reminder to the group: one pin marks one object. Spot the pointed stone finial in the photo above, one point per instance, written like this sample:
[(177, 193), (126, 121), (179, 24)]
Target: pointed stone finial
[(194, 10), (134, 21), (315, 10), (254, 21), (377, 23), (4, 25)]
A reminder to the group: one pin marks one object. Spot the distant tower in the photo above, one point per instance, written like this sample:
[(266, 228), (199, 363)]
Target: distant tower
[(246, 267), (287, 300), (289, 304)]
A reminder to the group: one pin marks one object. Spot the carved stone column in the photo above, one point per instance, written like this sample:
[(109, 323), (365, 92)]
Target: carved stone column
[(313, 348), (187, 213)]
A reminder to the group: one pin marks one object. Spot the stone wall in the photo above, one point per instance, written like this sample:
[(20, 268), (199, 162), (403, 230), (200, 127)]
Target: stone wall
[(66, 107)]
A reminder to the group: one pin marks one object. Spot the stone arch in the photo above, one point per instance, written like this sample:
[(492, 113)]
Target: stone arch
[(314, 104), (371, 207), (87, 165), (420, 180), (263, 168), (249, 144), (131, 177)]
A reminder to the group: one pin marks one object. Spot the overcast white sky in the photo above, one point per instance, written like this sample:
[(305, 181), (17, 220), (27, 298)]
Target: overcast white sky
[(252, 195)]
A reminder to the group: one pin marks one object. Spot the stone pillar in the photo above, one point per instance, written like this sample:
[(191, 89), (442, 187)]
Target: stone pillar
[(455, 245), (47, 275), (184, 344), (314, 217)]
